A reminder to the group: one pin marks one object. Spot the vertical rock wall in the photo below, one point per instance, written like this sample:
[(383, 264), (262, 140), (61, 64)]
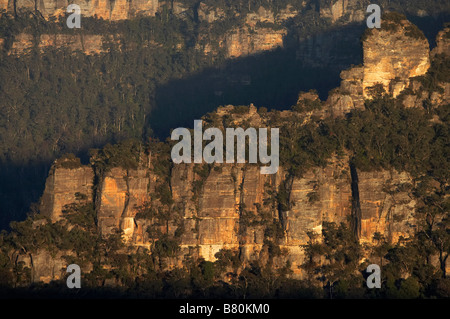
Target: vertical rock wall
[(213, 219), (62, 187), (394, 55), (122, 192)]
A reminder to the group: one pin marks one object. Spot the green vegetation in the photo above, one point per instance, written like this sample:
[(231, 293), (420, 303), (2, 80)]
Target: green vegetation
[(80, 243), (126, 154), (69, 161), (406, 268), (414, 32), (342, 253), (394, 17)]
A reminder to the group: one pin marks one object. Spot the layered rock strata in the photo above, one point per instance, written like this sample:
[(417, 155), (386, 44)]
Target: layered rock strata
[(215, 218)]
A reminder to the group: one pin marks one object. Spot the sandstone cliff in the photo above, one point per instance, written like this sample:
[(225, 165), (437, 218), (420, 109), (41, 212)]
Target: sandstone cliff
[(89, 44), (64, 186), (260, 28), (395, 57), (233, 206), (220, 215), (252, 37), (400, 54), (351, 10)]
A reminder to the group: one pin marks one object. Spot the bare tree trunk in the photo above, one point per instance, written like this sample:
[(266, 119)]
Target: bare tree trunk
[(15, 9), (443, 262)]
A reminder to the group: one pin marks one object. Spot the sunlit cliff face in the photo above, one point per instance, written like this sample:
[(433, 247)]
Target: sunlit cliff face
[(392, 57)]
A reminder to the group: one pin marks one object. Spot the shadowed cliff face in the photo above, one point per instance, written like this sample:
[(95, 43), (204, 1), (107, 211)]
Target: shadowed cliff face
[(232, 206)]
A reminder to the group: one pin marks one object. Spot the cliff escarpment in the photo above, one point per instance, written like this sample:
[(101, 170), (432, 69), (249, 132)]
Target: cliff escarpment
[(206, 10), (366, 158), (393, 55), (234, 207), (209, 208), (234, 30)]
